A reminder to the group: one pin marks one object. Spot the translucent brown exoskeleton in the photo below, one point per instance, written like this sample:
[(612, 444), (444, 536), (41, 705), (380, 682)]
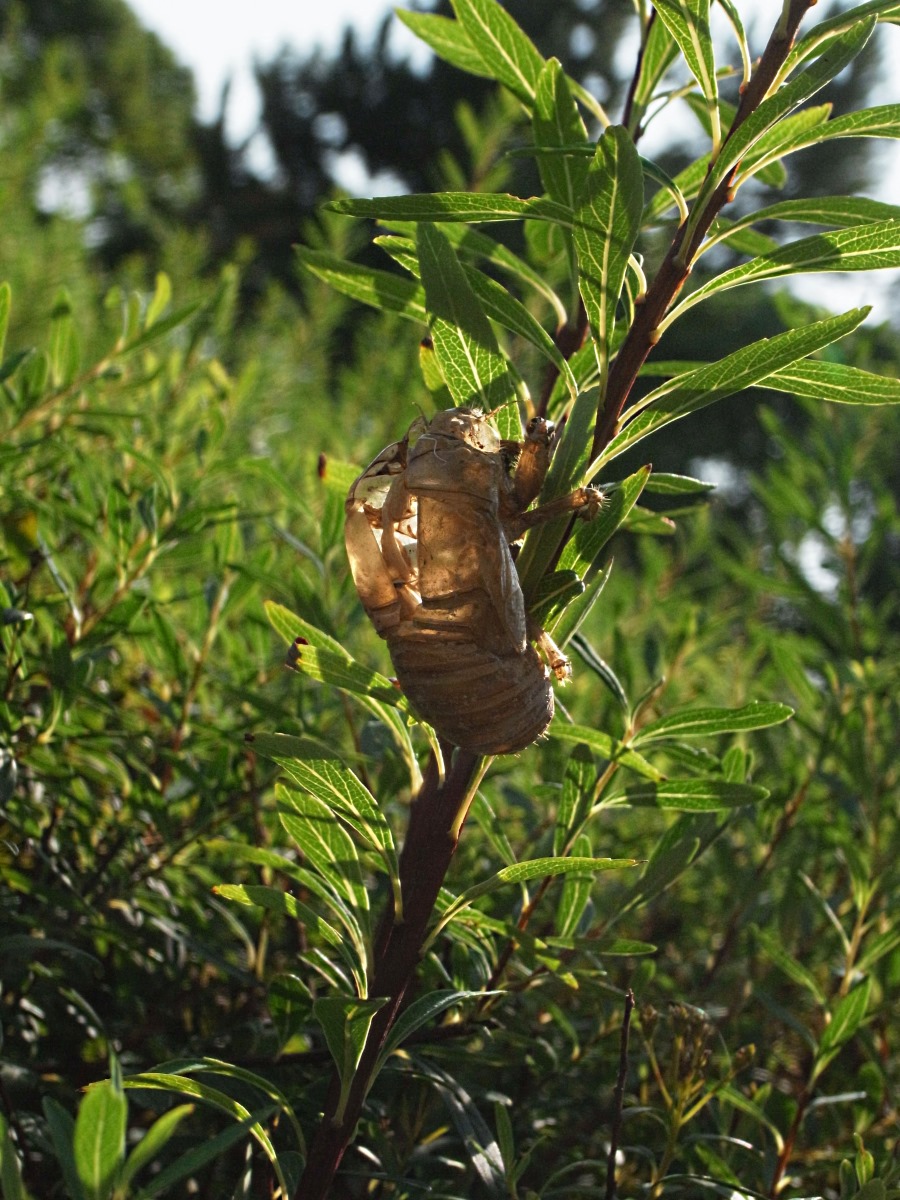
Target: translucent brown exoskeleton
[(430, 525)]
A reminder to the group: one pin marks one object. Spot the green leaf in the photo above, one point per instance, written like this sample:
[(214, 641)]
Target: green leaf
[(324, 774), (448, 39), (473, 244), (195, 1159), (688, 23), (157, 1136), (99, 1138), (785, 99), (10, 1170), (834, 382), (62, 1128), (566, 470), (837, 211), (464, 344), (777, 954), (601, 668), (690, 795), (576, 796), (697, 389), (373, 690), (165, 1081), (848, 1015), (611, 749), (662, 483), (882, 121), (508, 54), (340, 672), (5, 306), (557, 123), (591, 536), (860, 248), (157, 331), (384, 290), (346, 1022), (536, 868), (607, 222), (454, 206), (705, 722), (799, 129), (278, 901), (422, 1011), (575, 893), (324, 842), (676, 849), (659, 52)]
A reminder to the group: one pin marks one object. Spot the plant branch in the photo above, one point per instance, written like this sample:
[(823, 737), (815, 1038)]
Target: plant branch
[(426, 856), (619, 1097), (676, 266)]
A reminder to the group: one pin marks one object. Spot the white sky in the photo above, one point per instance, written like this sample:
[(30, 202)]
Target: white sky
[(221, 38)]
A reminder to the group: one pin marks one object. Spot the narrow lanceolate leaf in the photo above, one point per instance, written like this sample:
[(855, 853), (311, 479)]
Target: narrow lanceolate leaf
[(501, 306), (882, 121), (774, 142), (448, 39), (848, 1015), (704, 722), (508, 54), (346, 1022), (611, 749), (421, 1012), (464, 343), (821, 34), (607, 221), (556, 123), (380, 289), (690, 795), (454, 206), (336, 670), (99, 1138), (796, 971), (785, 100), (836, 211), (474, 244), (324, 842), (374, 691), (165, 1081), (278, 901), (536, 868), (660, 51), (696, 389), (834, 382), (591, 536), (576, 796), (688, 23), (323, 773), (870, 247), (11, 1185)]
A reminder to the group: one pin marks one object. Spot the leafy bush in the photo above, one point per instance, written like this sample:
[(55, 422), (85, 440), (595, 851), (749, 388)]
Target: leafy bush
[(661, 957)]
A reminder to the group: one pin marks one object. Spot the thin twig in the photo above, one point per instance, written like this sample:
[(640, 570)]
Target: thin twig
[(619, 1098)]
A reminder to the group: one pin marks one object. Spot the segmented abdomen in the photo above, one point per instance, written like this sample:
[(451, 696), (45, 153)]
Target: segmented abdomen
[(477, 699)]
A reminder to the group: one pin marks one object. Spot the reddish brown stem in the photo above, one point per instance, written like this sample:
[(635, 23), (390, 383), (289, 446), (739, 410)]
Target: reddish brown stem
[(426, 856), (676, 266)]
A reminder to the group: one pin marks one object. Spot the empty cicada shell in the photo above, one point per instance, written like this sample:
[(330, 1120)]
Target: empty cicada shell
[(429, 528)]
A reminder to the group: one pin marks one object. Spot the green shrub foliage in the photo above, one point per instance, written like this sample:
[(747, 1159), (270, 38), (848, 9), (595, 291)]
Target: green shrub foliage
[(262, 935)]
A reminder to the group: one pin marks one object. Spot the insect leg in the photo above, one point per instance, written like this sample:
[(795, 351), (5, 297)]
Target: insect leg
[(583, 502), (556, 660), (370, 573), (534, 461)]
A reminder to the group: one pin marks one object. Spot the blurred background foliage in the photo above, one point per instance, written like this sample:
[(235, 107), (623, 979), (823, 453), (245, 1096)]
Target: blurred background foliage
[(178, 401)]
